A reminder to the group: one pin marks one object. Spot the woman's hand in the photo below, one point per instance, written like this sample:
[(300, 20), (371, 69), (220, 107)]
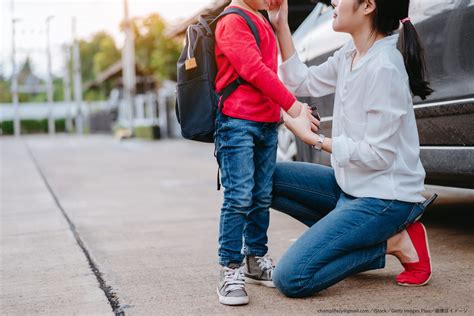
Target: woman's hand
[(278, 13), (304, 125), (295, 109)]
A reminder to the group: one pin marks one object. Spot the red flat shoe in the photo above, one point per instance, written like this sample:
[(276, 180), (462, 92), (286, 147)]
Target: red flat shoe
[(417, 273)]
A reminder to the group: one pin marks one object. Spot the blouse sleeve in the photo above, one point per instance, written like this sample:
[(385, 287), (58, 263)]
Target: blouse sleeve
[(314, 81)]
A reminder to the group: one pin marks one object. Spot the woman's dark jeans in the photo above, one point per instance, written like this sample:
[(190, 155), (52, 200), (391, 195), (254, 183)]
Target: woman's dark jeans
[(346, 235)]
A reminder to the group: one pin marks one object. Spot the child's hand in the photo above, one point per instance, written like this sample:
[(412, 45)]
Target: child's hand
[(295, 110), (278, 13), (303, 125)]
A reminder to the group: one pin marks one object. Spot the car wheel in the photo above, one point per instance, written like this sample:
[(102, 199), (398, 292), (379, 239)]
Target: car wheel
[(287, 149)]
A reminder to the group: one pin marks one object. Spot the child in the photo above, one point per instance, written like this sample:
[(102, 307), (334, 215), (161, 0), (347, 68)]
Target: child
[(246, 144)]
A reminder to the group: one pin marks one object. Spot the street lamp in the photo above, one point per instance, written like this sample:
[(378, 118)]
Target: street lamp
[(77, 79), (67, 87), (14, 82), (49, 83), (128, 67)]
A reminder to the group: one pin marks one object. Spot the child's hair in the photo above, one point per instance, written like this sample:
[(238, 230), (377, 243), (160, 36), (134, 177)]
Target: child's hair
[(386, 20)]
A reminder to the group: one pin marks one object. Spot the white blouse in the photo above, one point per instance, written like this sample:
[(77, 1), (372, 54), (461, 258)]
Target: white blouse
[(376, 150)]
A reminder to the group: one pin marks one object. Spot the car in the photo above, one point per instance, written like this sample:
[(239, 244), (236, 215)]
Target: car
[(445, 120)]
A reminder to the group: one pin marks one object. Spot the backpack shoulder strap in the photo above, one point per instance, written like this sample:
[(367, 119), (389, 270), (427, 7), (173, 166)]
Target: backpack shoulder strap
[(231, 87), (245, 16)]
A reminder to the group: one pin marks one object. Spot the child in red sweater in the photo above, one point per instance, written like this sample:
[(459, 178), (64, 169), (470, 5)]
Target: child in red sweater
[(246, 145)]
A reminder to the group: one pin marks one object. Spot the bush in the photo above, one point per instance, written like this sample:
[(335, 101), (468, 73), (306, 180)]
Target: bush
[(32, 126), (147, 132)]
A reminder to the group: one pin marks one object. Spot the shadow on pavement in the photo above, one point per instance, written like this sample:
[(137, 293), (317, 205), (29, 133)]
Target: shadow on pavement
[(459, 217)]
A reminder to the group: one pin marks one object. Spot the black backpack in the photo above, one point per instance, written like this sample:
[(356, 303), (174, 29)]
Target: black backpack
[(196, 97)]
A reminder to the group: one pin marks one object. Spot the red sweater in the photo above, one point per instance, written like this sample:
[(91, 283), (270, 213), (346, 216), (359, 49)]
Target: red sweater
[(237, 54)]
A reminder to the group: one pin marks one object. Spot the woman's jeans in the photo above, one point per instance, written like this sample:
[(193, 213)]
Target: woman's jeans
[(346, 235), (246, 153)]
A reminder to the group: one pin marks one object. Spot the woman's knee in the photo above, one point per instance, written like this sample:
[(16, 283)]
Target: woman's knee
[(280, 173), (288, 281)]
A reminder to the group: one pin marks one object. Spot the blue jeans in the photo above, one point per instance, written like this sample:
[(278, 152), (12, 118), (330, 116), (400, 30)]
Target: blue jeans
[(246, 153), (346, 235)]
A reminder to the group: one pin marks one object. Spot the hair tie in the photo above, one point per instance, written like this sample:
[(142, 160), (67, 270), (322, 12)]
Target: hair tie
[(405, 20)]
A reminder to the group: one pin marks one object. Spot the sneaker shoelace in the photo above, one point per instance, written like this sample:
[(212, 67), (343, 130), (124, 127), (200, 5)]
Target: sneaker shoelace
[(265, 263), (233, 279)]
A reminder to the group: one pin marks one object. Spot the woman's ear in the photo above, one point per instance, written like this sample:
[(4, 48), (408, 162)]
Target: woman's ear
[(369, 6)]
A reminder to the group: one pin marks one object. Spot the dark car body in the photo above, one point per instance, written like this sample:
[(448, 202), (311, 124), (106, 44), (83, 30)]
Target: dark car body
[(445, 119)]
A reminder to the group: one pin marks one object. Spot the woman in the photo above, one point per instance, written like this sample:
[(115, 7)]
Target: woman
[(367, 205)]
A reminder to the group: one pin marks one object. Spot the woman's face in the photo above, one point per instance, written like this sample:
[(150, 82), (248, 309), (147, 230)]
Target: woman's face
[(348, 15)]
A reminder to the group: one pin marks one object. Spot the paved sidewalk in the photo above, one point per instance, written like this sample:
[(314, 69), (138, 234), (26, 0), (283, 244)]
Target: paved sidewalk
[(43, 270), (142, 237)]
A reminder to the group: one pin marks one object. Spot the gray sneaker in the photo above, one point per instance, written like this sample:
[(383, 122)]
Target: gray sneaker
[(231, 287), (259, 270)]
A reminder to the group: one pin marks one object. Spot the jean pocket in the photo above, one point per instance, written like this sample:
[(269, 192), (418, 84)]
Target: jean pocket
[(416, 212)]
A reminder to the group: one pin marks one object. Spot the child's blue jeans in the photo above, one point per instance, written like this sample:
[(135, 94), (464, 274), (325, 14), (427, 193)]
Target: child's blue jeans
[(346, 234), (246, 153)]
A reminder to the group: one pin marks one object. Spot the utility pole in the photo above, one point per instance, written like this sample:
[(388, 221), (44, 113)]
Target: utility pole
[(67, 87), (49, 83), (14, 83), (76, 61), (128, 67)]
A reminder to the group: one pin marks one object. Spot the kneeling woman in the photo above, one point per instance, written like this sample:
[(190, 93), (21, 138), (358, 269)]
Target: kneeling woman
[(367, 204)]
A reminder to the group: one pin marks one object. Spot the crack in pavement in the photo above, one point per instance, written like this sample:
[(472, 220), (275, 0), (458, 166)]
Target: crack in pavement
[(112, 297)]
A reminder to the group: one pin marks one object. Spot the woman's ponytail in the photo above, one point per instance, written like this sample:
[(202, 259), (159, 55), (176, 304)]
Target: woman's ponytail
[(413, 55), (386, 20)]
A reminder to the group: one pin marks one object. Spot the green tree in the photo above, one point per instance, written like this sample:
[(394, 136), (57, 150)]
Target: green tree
[(107, 55), (155, 53), (97, 54), (5, 95), (26, 76)]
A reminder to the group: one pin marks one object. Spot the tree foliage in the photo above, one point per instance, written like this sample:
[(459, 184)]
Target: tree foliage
[(155, 54), (97, 54)]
